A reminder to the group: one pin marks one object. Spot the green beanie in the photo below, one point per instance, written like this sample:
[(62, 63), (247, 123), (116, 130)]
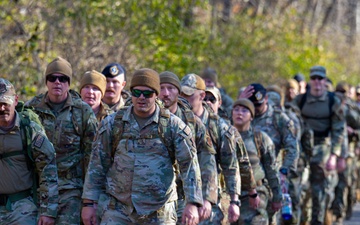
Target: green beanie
[(171, 78)]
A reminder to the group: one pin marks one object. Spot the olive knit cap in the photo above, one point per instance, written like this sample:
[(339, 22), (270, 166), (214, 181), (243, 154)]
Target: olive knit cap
[(247, 104), (171, 78), (95, 78), (59, 65), (146, 77)]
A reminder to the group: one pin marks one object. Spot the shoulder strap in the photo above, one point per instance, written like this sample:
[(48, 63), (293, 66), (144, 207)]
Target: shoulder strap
[(258, 142), (117, 130), (331, 96), (165, 132), (302, 101)]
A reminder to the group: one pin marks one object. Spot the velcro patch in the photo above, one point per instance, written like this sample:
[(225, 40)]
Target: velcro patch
[(187, 130), (39, 140)]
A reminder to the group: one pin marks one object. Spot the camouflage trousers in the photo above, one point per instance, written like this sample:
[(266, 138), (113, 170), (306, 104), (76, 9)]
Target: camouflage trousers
[(216, 217), (116, 215), (250, 216), (69, 207), (23, 212)]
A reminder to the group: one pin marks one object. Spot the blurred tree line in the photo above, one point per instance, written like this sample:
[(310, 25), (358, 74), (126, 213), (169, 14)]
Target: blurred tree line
[(245, 41)]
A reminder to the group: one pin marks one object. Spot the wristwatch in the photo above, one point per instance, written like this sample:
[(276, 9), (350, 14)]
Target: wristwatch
[(236, 202)]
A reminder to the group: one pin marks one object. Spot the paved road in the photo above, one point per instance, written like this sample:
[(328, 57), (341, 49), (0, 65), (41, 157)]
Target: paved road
[(355, 219)]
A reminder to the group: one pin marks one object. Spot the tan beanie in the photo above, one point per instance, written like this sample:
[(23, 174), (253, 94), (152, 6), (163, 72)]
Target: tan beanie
[(171, 78), (95, 78), (146, 77), (247, 104), (59, 65)]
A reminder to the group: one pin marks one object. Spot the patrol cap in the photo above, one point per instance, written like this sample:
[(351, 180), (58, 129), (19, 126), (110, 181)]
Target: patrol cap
[(299, 77), (59, 65), (214, 91), (318, 71), (209, 73), (7, 92), (113, 70), (171, 78), (258, 95), (342, 87), (192, 82), (246, 103)]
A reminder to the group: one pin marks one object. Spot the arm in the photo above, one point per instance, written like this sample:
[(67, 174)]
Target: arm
[(89, 129)]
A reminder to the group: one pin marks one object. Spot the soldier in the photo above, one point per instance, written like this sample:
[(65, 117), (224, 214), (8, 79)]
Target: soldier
[(261, 151), (70, 125), (169, 94), (292, 90), (227, 142), (25, 150), (92, 90), (302, 82), (211, 80), (134, 160), (322, 113), (115, 82), (281, 130)]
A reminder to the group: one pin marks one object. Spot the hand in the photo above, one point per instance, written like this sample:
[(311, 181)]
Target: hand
[(341, 164), (349, 130), (276, 206), (205, 210), (88, 215), (46, 220), (247, 93), (331, 163), (233, 213), (190, 215), (284, 183)]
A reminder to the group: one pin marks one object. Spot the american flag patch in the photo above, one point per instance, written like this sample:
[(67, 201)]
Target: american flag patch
[(39, 140)]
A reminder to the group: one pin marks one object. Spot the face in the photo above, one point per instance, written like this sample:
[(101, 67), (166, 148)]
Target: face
[(195, 99), (7, 113), (143, 99), (209, 82), (58, 86), (212, 101), (291, 93), (317, 85), (241, 116), (91, 94), (114, 86), (168, 94), (261, 108)]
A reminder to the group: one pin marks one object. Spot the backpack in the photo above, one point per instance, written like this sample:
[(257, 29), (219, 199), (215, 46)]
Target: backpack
[(163, 130), (331, 96)]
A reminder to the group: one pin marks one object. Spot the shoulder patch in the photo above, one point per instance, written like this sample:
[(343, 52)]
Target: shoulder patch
[(39, 140), (187, 130)]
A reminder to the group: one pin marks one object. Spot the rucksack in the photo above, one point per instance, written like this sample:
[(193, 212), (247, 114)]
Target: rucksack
[(164, 131), (331, 96)]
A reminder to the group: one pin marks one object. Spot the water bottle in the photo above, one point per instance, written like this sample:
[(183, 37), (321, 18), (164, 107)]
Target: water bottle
[(286, 210)]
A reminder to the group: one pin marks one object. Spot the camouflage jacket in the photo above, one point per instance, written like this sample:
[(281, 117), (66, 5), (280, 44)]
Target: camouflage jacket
[(263, 161), (281, 130), (140, 174), (72, 133), (323, 122), (206, 154), (104, 111), (17, 177)]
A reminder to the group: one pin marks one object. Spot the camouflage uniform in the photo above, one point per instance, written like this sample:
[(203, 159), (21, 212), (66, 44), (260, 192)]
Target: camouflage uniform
[(17, 179), (138, 175), (118, 105), (206, 156), (266, 176), (281, 130), (71, 131), (228, 143), (104, 111), (328, 130)]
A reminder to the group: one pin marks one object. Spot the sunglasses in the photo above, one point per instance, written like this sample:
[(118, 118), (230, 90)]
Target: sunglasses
[(62, 79), (137, 93), (316, 78), (211, 99)]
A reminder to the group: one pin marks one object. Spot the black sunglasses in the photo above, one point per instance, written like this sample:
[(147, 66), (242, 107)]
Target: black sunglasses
[(62, 79), (137, 93), (212, 99), (316, 78)]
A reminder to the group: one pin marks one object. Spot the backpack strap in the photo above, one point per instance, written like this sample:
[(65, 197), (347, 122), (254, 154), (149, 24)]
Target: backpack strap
[(165, 132), (117, 131)]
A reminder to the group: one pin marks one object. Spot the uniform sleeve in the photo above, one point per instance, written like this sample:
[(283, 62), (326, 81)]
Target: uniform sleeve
[(44, 157), (268, 160), (89, 130), (228, 159), (100, 161), (248, 181), (289, 142), (207, 162), (337, 127), (185, 154)]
